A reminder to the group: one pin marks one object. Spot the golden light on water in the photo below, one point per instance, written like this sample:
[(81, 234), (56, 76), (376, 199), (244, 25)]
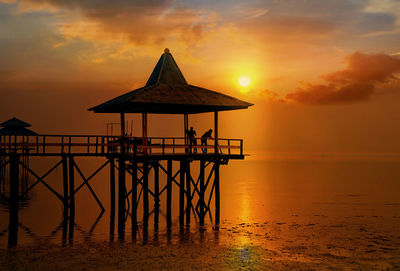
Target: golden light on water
[(244, 80)]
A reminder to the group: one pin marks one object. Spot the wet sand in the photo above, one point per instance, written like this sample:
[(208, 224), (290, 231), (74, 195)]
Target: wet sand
[(355, 243)]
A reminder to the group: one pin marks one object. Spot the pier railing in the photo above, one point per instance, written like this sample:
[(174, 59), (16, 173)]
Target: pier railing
[(103, 145)]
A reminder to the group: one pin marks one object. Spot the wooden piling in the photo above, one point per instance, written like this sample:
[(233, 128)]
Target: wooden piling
[(182, 193), (188, 193), (202, 188), (65, 185), (216, 132), (134, 195), (121, 198), (145, 193), (71, 198), (217, 194), (169, 193), (156, 193), (13, 201), (112, 198)]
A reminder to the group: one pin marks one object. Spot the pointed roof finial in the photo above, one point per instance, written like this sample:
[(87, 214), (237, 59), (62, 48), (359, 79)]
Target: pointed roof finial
[(166, 71)]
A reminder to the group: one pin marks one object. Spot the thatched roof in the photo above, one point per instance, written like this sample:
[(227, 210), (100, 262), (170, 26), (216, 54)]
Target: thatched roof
[(15, 126), (167, 92)]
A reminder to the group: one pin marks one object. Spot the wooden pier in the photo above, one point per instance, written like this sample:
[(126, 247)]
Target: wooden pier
[(135, 159)]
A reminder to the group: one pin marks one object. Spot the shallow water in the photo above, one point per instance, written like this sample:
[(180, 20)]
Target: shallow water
[(290, 204)]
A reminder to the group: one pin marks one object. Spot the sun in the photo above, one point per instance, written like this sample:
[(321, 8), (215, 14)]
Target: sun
[(244, 81)]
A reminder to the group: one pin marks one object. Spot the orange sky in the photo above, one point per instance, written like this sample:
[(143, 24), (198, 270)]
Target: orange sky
[(323, 73)]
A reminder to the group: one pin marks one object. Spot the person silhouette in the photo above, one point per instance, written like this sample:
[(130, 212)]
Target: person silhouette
[(191, 134), (204, 138)]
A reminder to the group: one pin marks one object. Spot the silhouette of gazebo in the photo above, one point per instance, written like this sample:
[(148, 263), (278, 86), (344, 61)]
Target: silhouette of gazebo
[(167, 92), (15, 126)]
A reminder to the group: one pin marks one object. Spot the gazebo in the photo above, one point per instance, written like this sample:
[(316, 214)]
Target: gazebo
[(167, 92), (15, 126)]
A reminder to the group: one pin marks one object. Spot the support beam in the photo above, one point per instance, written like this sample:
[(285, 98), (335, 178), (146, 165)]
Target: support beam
[(188, 192), (112, 198), (65, 185), (182, 193), (217, 194), (121, 198), (71, 198), (169, 193), (216, 132), (13, 201), (202, 192), (134, 195), (145, 194), (156, 193)]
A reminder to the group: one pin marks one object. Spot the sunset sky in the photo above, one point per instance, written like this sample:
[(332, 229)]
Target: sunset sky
[(322, 74)]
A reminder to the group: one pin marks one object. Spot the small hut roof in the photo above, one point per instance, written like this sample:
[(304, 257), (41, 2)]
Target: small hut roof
[(14, 122), (167, 92), (15, 126)]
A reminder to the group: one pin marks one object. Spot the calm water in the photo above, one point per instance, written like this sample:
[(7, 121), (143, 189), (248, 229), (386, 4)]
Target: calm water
[(254, 191)]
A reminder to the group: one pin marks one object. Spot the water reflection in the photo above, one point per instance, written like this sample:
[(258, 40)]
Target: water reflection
[(270, 193)]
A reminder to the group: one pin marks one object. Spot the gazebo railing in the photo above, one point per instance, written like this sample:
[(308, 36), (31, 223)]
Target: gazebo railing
[(102, 145)]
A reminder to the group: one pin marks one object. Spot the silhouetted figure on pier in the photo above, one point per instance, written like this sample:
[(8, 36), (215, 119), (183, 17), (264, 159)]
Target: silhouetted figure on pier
[(191, 134), (204, 138)]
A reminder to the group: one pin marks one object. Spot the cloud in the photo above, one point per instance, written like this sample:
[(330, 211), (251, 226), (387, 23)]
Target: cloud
[(137, 22), (271, 96), (357, 82)]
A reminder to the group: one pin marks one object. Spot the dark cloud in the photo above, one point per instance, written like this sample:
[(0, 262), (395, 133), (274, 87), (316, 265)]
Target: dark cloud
[(357, 82)]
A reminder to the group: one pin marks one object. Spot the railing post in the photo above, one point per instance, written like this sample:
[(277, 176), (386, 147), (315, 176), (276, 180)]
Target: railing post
[(37, 144), (44, 145)]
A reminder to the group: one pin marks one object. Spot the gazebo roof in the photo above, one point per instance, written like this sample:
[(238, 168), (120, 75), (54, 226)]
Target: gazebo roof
[(14, 122), (167, 92), (15, 126)]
